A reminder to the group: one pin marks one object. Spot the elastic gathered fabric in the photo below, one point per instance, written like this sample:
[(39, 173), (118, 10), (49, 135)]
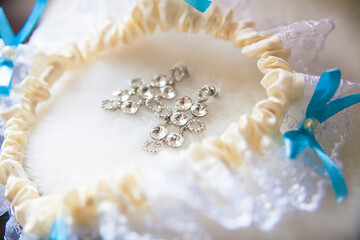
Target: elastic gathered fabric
[(255, 131)]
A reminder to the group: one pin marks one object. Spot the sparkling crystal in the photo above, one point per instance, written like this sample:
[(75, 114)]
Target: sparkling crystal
[(153, 104), (109, 105), (205, 92), (179, 118), (183, 104), (145, 92), (159, 81), (199, 109), (129, 107), (121, 95), (168, 92), (152, 146), (136, 82), (174, 140), (195, 126), (158, 132), (163, 112), (178, 73)]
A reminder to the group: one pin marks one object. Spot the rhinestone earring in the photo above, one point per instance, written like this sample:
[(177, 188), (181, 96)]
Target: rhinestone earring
[(182, 120), (162, 86)]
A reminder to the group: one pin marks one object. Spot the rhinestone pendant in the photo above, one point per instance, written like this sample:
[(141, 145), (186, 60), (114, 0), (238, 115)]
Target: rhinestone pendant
[(159, 132), (129, 107), (179, 118), (168, 92), (136, 82), (199, 109), (152, 146), (159, 81), (174, 140), (145, 92), (195, 126), (183, 104), (121, 95)]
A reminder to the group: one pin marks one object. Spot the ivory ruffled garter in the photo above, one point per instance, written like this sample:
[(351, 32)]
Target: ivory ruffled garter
[(255, 131)]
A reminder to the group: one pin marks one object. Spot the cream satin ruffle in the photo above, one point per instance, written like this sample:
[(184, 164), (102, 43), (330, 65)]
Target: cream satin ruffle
[(36, 213)]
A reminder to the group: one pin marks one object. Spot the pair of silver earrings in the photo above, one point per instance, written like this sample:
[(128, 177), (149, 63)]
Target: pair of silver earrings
[(162, 87)]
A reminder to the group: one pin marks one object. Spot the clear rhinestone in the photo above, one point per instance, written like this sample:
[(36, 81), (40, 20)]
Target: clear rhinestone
[(145, 92), (136, 82), (152, 146), (159, 81), (163, 112), (158, 132), (174, 140), (168, 92), (141, 102), (178, 73), (199, 109), (204, 94), (195, 126), (121, 95), (109, 105), (183, 104), (179, 118), (153, 104), (129, 107)]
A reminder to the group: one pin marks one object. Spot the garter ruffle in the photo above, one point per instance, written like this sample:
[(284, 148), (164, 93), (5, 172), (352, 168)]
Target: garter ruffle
[(252, 132)]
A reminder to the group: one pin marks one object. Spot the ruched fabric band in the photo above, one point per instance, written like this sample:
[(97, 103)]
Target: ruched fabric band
[(253, 131)]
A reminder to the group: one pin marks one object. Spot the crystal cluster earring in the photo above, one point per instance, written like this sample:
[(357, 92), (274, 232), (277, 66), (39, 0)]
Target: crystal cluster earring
[(181, 119), (162, 86)]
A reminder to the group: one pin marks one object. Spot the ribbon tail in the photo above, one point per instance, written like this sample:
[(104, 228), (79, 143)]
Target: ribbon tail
[(200, 5), (295, 142), (6, 71), (30, 22), (336, 177), (338, 105), (6, 33)]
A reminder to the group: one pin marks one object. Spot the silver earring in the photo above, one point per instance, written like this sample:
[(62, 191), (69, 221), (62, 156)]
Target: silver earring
[(182, 120), (162, 87)]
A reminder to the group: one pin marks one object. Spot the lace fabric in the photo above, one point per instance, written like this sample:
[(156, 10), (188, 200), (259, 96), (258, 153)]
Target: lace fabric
[(306, 40), (335, 130), (12, 228)]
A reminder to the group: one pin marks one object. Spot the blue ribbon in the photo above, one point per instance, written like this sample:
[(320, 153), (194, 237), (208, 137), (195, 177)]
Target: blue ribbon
[(200, 5), (59, 230), (10, 39), (318, 111)]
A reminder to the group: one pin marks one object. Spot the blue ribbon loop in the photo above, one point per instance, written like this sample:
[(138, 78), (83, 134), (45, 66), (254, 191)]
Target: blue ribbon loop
[(6, 71), (319, 110), (200, 5), (9, 38)]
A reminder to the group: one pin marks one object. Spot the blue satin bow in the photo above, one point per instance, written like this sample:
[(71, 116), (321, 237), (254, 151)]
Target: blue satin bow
[(318, 111), (7, 35), (200, 5)]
